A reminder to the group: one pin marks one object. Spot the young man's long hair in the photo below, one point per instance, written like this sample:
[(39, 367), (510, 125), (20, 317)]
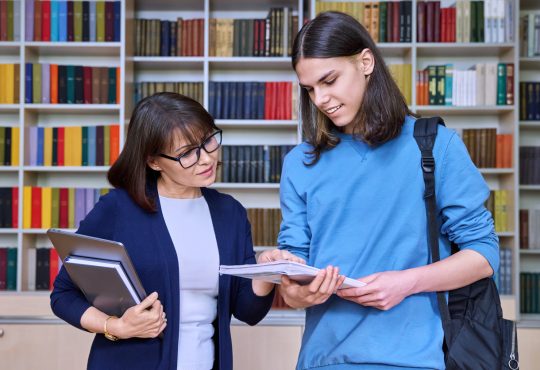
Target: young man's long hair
[(383, 108)]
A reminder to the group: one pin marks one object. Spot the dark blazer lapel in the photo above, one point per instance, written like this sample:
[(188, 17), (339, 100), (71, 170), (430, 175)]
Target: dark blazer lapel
[(219, 221)]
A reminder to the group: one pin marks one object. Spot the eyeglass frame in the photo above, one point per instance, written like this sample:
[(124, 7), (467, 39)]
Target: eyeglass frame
[(198, 150)]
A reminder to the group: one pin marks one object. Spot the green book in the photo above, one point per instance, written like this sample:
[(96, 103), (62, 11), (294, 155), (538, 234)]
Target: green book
[(85, 145), (382, 21), (100, 21), (2, 145), (112, 86), (107, 145), (71, 208), (36, 83), (77, 21), (55, 207), (11, 276), (10, 22), (70, 84), (501, 84)]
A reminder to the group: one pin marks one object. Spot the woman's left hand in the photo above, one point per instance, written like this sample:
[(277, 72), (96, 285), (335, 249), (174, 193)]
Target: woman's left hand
[(262, 288), (383, 290)]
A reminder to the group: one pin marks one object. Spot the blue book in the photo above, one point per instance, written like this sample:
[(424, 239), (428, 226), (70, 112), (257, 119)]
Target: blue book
[(91, 145), (231, 99), (62, 21), (70, 84), (28, 95), (219, 100), (40, 140), (54, 20), (239, 100), (225, 99), (85, 145), (212, 98), (261, 91), (248, 86), (165, 32), (92, 21), (117, 16)]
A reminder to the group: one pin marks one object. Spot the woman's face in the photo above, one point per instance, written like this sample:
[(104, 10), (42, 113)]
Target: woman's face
[(336, 85), (179, 181)]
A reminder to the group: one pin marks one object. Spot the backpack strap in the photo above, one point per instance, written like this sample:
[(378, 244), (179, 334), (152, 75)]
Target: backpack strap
[(425, 133)]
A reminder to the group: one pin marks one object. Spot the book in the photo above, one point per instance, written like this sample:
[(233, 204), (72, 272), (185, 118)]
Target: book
[(272, 272), (104, 283)]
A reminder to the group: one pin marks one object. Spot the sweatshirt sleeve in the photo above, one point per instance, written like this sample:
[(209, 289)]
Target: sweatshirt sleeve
[(294, 234), (67, 300), (249, 307), (461, 197)]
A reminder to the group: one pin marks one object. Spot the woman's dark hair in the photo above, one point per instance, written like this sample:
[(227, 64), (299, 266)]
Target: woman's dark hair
[(383, 108), (152, 128)]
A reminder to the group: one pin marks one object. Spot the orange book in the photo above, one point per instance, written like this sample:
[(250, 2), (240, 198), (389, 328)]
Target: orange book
[(53, 267), (508, 150), (114, 143), (499, 151), (54, 83)]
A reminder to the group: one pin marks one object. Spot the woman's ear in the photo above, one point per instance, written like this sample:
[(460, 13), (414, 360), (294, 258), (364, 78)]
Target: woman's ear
[(153, 164), (366, 61)]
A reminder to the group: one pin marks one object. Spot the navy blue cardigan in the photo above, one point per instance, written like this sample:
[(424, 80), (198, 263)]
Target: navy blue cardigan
[(117, 217)]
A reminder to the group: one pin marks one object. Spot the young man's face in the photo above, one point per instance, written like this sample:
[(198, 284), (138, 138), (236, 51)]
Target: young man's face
[(336, 85)]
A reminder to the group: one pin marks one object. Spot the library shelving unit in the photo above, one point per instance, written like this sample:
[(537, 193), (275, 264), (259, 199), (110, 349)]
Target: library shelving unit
[(21, 310)]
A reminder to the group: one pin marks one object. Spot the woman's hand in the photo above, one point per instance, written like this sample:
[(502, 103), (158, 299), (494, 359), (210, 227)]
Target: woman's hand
[(145, 320), (383, 290), (318, 291), (262, 288)]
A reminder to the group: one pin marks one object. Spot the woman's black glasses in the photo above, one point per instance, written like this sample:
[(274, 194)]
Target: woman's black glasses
[(191, 157)]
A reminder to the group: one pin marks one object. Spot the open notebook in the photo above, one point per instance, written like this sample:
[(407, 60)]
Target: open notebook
[(272, 271)]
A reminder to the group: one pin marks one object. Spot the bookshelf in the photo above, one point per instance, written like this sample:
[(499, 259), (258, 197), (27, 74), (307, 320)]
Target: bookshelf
[(206, 69)]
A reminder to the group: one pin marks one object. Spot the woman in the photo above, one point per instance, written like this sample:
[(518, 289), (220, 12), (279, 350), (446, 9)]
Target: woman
[(177, 233), (352, 198)]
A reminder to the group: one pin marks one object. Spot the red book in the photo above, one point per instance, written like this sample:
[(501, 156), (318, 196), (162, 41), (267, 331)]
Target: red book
[(395, 22), (452, 24), (437, 20), (109, 21), (54, 83), (3, 21), (288, 103), (63, 219), (36, 207), (274, 100), (87, 83), (510, 83), (45, 20), (443, 24), (421, 21), (53, 267), (114, 143), (200, 23), (60, 146), (15, 207)]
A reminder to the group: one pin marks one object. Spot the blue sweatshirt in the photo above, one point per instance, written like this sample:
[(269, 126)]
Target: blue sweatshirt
[(361, 208)]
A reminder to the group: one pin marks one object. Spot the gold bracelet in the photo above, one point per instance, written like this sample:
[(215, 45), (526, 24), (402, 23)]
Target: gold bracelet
[(108, 335)]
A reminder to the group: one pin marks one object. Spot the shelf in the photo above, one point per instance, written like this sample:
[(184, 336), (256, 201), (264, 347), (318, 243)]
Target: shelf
[(474, 110), (394, 49), (506, 234), (247, 123), (496, 171), (9, 48), (529, 187), (224, 185), (252, 63), (72, 108), (529, 320), (8, 231), (530, 124), (80, 49), (529, 62), (531, 252), (9, 108), (66, 168), (262, 249), (285, 317), (9, 168), (453, 49), (168, 63)]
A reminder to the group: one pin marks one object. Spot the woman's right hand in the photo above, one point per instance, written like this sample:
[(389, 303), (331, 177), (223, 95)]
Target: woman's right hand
[(145, 320), (318, 291)]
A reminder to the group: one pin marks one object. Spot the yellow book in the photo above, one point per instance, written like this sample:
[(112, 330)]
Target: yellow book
[(68, 157), (15, 135), (9, 84), (407, 73), (76, 145), (71, 208), (77, 20), (3, 73), (47, 146), (100, 21), (46, 206), (27, 207), (107, 145)]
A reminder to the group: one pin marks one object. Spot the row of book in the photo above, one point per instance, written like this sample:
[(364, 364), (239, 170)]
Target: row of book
[(265, 223), (10, 25), (182, 37), (194, 90), (488, 21), (61, 21), (529, 165), (529, 101), (72, 145), (489, 149), (71, 84), (529, 228), (503, 277), (267, 37), (9, 89), (46, 207), (253, 100), (252, 163), (386, 21), (9, 146), (482, 84), (47, 265), (498, 204), (530, 34), (529, 286), (8, 268)]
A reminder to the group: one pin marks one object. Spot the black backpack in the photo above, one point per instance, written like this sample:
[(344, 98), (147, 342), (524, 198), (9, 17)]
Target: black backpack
[(476, 336)]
